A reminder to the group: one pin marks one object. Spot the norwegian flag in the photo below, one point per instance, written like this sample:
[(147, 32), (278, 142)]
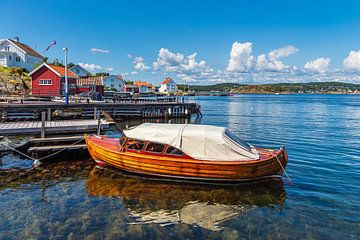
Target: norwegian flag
[(53, 43), (124, 87)]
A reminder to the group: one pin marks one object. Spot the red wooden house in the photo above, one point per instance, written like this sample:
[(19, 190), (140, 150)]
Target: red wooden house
[(49, 81)]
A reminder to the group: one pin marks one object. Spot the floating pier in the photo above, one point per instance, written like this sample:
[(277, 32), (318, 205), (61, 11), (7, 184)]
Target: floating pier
[(51, 127)]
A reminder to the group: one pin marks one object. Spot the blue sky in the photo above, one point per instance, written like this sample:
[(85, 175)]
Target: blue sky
[(235, 41)]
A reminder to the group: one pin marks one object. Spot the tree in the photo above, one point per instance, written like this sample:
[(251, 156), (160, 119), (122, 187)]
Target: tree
[(101, 74)]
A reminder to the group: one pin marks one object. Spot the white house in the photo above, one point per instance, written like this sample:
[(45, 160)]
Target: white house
[(79, 71), (16, 54), (114, 82), (168, 86)]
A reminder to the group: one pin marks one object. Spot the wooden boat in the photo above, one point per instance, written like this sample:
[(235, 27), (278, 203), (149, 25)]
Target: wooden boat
[(186, 151)]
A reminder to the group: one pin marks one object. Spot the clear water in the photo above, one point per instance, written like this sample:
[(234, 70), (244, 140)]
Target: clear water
[(76, 200)]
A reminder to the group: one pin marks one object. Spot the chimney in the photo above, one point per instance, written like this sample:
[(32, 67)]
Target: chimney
[(16, 39)]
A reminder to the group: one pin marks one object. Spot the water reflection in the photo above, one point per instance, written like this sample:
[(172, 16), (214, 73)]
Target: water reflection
[(164, 203)]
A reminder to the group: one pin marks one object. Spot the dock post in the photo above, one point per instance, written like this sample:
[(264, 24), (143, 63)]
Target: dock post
[(98, 130), (95, 113), (43, 114), (49, 114)]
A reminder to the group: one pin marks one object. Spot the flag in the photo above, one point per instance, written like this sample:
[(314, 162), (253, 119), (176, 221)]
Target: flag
[(124, 87), (53, 43)]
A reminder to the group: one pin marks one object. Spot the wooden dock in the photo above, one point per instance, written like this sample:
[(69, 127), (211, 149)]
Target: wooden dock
[(119, 110), (51, 127)]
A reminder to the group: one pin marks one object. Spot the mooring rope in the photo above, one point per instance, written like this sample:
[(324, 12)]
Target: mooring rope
[(40, 159), (283, 169)]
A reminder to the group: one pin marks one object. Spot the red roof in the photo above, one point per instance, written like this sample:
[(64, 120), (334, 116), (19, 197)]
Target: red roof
[(166, 81), (140, 83), (26, 48), (61, 71)]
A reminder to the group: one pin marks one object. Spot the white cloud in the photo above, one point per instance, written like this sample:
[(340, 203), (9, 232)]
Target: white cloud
[(271, 62), (319, 65), (90, 67), (98, 50), (129, 55), (168, 59), (241, 58), (109, 69), (140, 64), (282, 52), (352, 61), (134, 72)]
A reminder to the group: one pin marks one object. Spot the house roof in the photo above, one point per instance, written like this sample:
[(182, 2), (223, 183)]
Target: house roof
[(61, 71), (58, 70), (140, 83), (26, 48), (167, 80), (119, 77), (77, 65), (86, 81)]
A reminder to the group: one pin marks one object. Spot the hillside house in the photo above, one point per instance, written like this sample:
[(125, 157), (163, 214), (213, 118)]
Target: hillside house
[(114, 83), (16, 54), (144, 87), (49, 81), (79, 71), (168, 86)]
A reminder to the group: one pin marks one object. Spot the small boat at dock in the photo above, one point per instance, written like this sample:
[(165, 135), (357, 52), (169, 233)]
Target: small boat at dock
[(186, 151)]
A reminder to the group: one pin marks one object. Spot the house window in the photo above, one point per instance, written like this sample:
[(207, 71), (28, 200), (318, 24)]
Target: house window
[(10, 57), (45, 82), (17, 59), (7, 48), (77, 71), (112, 85)]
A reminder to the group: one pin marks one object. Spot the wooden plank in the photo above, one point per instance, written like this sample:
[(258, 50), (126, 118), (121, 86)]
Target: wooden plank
[(56, 148), (53, 127), (56, 139)]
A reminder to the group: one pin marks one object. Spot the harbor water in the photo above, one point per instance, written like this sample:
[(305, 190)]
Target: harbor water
[(74, 199)]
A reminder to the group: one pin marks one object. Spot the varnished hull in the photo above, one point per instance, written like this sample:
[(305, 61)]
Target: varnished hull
[(107, 150)]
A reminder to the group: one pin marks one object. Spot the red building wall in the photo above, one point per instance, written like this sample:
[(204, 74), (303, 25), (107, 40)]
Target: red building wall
[(53, 90), (43, 91)]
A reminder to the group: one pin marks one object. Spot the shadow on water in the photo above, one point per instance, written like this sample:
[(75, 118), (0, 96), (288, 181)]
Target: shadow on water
[(207, 206)]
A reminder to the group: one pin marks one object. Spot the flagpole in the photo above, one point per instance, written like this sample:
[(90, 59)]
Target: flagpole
[(66, 78)]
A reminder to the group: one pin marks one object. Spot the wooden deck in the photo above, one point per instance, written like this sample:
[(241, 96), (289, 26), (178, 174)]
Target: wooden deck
[(51, 127)]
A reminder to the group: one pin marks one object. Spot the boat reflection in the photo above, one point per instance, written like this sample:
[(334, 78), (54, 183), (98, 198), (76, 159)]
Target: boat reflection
[(164, 203)]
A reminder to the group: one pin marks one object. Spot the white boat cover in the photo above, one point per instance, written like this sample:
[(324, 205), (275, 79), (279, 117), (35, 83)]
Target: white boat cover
[(202, 142)]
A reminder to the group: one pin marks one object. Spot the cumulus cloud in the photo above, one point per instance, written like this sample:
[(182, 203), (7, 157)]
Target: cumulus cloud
[(282, 52), (271, 62), (140, 64), (99, 50), (241, 58), (168, 59), (319, 65), (109, 69), (91, 67), (178, 63), (129, 55), (352, 61)]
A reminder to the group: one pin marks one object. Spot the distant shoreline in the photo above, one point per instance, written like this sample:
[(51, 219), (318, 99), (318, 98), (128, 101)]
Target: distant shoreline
[(276, 88)]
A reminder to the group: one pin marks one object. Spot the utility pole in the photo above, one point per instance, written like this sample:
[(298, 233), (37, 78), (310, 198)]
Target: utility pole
[(66, 78)]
